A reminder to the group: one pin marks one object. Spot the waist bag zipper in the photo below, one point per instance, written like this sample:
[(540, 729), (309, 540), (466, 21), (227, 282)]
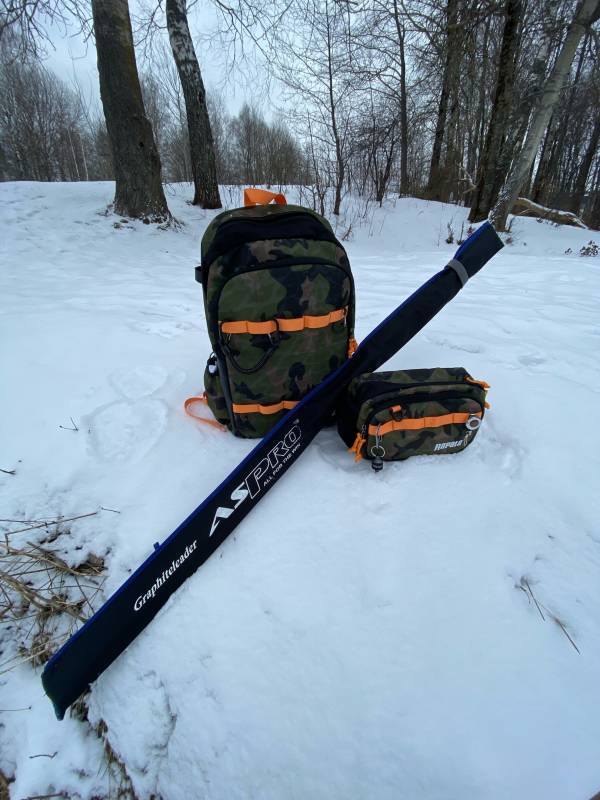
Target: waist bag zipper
[(378, 452)]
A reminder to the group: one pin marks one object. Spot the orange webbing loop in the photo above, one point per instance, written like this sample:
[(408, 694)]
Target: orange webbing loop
[(352, 346), (357, 447), (261, 197), (483, 384), (256, 408), (286, 325), (421, 422), (202, 399)]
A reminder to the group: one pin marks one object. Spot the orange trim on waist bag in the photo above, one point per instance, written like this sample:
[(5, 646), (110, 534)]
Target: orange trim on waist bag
[(286, 325), (256, 408), (483, 384), (352, 346), (421, 422), (201, 399), (261, 197)]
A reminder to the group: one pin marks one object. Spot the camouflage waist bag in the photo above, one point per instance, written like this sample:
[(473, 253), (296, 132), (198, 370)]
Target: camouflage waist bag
[(279, 302), (390, 416)]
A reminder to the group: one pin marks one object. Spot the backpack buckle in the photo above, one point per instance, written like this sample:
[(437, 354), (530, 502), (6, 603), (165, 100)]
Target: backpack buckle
[(397, 413)]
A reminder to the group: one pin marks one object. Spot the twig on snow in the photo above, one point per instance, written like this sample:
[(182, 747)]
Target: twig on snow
[(45, 796), (537, 605), (525, 587), (58, 520), (74, 428), (44, 755), (564, 630), (9, 471)]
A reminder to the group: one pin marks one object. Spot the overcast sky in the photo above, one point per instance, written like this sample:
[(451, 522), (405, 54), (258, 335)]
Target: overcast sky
[(74, 58)]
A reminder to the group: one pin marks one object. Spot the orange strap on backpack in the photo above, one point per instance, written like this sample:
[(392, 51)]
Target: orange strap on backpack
[(261, 197), (201, 399)]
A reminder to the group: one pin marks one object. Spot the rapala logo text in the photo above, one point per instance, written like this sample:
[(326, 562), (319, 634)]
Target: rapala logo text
[(446, 445), (261, 475)]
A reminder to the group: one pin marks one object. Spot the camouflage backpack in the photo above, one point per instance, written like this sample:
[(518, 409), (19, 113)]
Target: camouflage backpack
[(279, 302)]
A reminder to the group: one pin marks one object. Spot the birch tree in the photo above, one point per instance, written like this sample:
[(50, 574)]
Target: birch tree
[(587, 12), (206, 189)]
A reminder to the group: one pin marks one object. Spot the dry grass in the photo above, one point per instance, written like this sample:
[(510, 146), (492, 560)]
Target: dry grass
[(120, 784), (4, 786), (42, 597)]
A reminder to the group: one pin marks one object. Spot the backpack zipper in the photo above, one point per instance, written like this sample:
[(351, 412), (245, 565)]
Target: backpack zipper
[(275, 220)]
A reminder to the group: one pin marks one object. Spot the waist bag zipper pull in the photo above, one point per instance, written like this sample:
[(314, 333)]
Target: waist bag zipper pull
[(377, 451)]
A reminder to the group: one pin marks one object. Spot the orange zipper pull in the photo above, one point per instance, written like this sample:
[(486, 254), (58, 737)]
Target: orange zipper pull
[(357, 447), (483, 384)]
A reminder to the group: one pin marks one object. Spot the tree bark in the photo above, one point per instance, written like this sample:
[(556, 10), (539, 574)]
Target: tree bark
[(452, 54), (403, 105), (539, 187), (584, 169), (527, 208), (204, 170), (554, 141), (593, 218), (340, 162), (587, 12), (478, 136), (490, 174), (138, 191)]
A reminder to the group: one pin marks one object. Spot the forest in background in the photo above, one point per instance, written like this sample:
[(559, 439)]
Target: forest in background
[(458, 101)]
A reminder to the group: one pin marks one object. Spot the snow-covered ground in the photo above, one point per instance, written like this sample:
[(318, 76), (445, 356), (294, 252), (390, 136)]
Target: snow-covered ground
[(361, 636)]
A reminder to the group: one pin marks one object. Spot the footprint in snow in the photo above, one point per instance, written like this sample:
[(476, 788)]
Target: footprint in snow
[(166, 329), (140, 381), (501, 450), (124, 431), (532, 360), (454, 344)]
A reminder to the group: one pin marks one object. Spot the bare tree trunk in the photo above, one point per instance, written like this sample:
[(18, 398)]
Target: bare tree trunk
[(452, 54), (85, 166), (540, 184), (206, 189), (382, 176), (550, 155), (403, 105), (584, 169), (138, 191), (490, 175), (587, 12), (476, 148), (340, 163), (593, 218)]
